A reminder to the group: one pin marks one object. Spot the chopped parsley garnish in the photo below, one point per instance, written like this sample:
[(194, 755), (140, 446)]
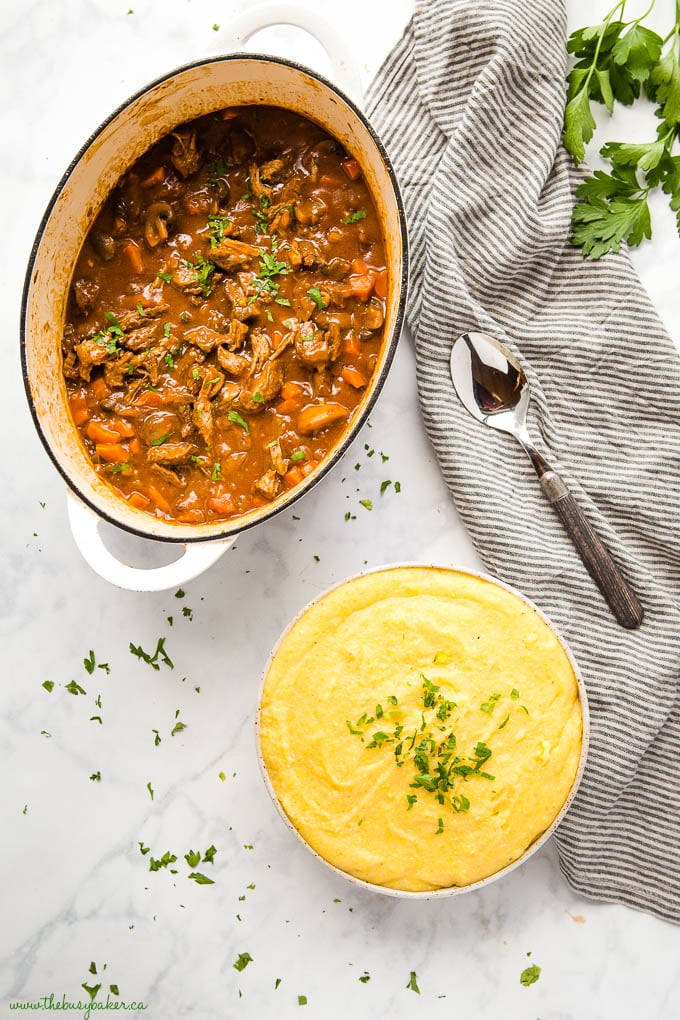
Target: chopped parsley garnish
[(397, 486), (91, 989), (488, 706), (193, 857), (270, 267), (365, 977), (117, 469), (384, 485), (413, 983), (440, 827), (315, 294), (209, 858), (153, 660), (48, 685), (442, 658), (160, 439), (157, 738), (257, 397), (203, 270), (89, 663), (140, 309), (218, 228), (216, 472), (530, 975), (110, 335), (298, 455), (155, 864), (360, 214), (150, 789), (302, 1000), (74, 688), (430, 749), (504, 723), (238, 420), (170, 362), (514, 694), (167, 277), (96, 777), (368, 503), (242, 961), (180, 593)]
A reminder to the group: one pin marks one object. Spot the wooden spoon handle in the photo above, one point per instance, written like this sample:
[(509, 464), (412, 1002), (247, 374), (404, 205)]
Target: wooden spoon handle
[(620, 598)]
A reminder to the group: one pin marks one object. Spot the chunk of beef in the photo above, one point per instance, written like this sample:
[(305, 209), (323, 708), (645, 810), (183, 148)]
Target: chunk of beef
[(116, 372), (279, 462), (85, 293), (304, 253), (90, 353), (268, 485), (311, 345), (133, 318), (170, 453), (204, 337), (139, 339), (241, 308), (166, 475), (237, 333), (230, 254), (185, 277), (261, 348), (185, 156), (234, 364), (272, 170)]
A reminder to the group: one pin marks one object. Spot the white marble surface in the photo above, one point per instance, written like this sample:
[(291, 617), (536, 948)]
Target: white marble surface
[(74, 887)]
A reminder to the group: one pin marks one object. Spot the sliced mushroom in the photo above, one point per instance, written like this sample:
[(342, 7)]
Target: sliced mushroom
[(309, 211), (158, 219), (103, 244)]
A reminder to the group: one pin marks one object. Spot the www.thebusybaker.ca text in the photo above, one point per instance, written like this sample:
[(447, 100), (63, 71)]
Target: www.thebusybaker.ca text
[(85, 1008)]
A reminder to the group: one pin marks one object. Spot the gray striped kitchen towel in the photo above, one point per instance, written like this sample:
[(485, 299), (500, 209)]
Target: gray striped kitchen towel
[(470, 107)]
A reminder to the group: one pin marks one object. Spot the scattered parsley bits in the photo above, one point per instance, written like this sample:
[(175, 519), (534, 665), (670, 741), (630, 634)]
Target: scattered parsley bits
[(385, 485), (365, 977), (193, 857), (235, 417), (397, 486), (530, 975), (242, 961), (367, 503), (504, 723), (74, 688), (114, 989), (91, 989), (315, 294), (488, 706), (96, 777), (152, 660), (200, 878), (48, 685), (442, 658), (180, 593), (302, 1000), (166, 277), (150, 789), (277, 983), (89, 663), (155, 864), (413, 983), (360, 214), (144, 849), (514, 694)]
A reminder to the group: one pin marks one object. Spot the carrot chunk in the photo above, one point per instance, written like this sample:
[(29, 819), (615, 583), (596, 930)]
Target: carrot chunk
[(158, 498), (354, 377), (191, 516), (352, 169), (133, 254), (99, 432), (80, 412), (293, 476), (139, 500), (328, 181), (135, 447), (122, 427), (98, 388), (381, 282), (362, 286), (292, 391), (150, 398), (112, 452), (221, 502), (352, 346)]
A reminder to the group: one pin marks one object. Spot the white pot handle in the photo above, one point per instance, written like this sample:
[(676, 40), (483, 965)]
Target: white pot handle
[(196, 558), (345, 70)]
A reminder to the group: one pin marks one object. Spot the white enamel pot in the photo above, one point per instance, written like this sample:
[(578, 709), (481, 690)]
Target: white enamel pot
[(182, 95), (537, 843)]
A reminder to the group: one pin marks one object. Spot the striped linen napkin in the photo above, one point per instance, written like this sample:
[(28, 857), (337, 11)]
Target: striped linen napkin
[(470, 106)]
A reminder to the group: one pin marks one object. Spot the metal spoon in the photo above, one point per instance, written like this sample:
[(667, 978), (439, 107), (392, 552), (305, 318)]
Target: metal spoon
[(494, 389)]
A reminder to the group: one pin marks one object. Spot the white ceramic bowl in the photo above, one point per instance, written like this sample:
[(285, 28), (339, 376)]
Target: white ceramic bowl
[(534, 846)]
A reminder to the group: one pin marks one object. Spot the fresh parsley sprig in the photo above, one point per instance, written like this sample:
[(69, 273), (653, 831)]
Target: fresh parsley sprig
[(617, 60)]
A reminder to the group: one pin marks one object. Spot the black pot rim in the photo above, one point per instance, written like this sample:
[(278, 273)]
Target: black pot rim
[(234, 528)]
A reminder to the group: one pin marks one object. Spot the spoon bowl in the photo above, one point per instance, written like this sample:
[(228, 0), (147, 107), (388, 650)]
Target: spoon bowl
[(494, 389)]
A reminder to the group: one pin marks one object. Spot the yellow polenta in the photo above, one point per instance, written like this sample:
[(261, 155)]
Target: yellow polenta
[(382, 654)]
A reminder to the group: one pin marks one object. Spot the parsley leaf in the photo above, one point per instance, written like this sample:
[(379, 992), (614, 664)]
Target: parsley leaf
[(202, 879), (242, 961), (530, 975), (413, 983)]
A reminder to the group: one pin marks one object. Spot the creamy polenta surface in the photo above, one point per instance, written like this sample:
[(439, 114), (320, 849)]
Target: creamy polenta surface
[(420, 727)]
